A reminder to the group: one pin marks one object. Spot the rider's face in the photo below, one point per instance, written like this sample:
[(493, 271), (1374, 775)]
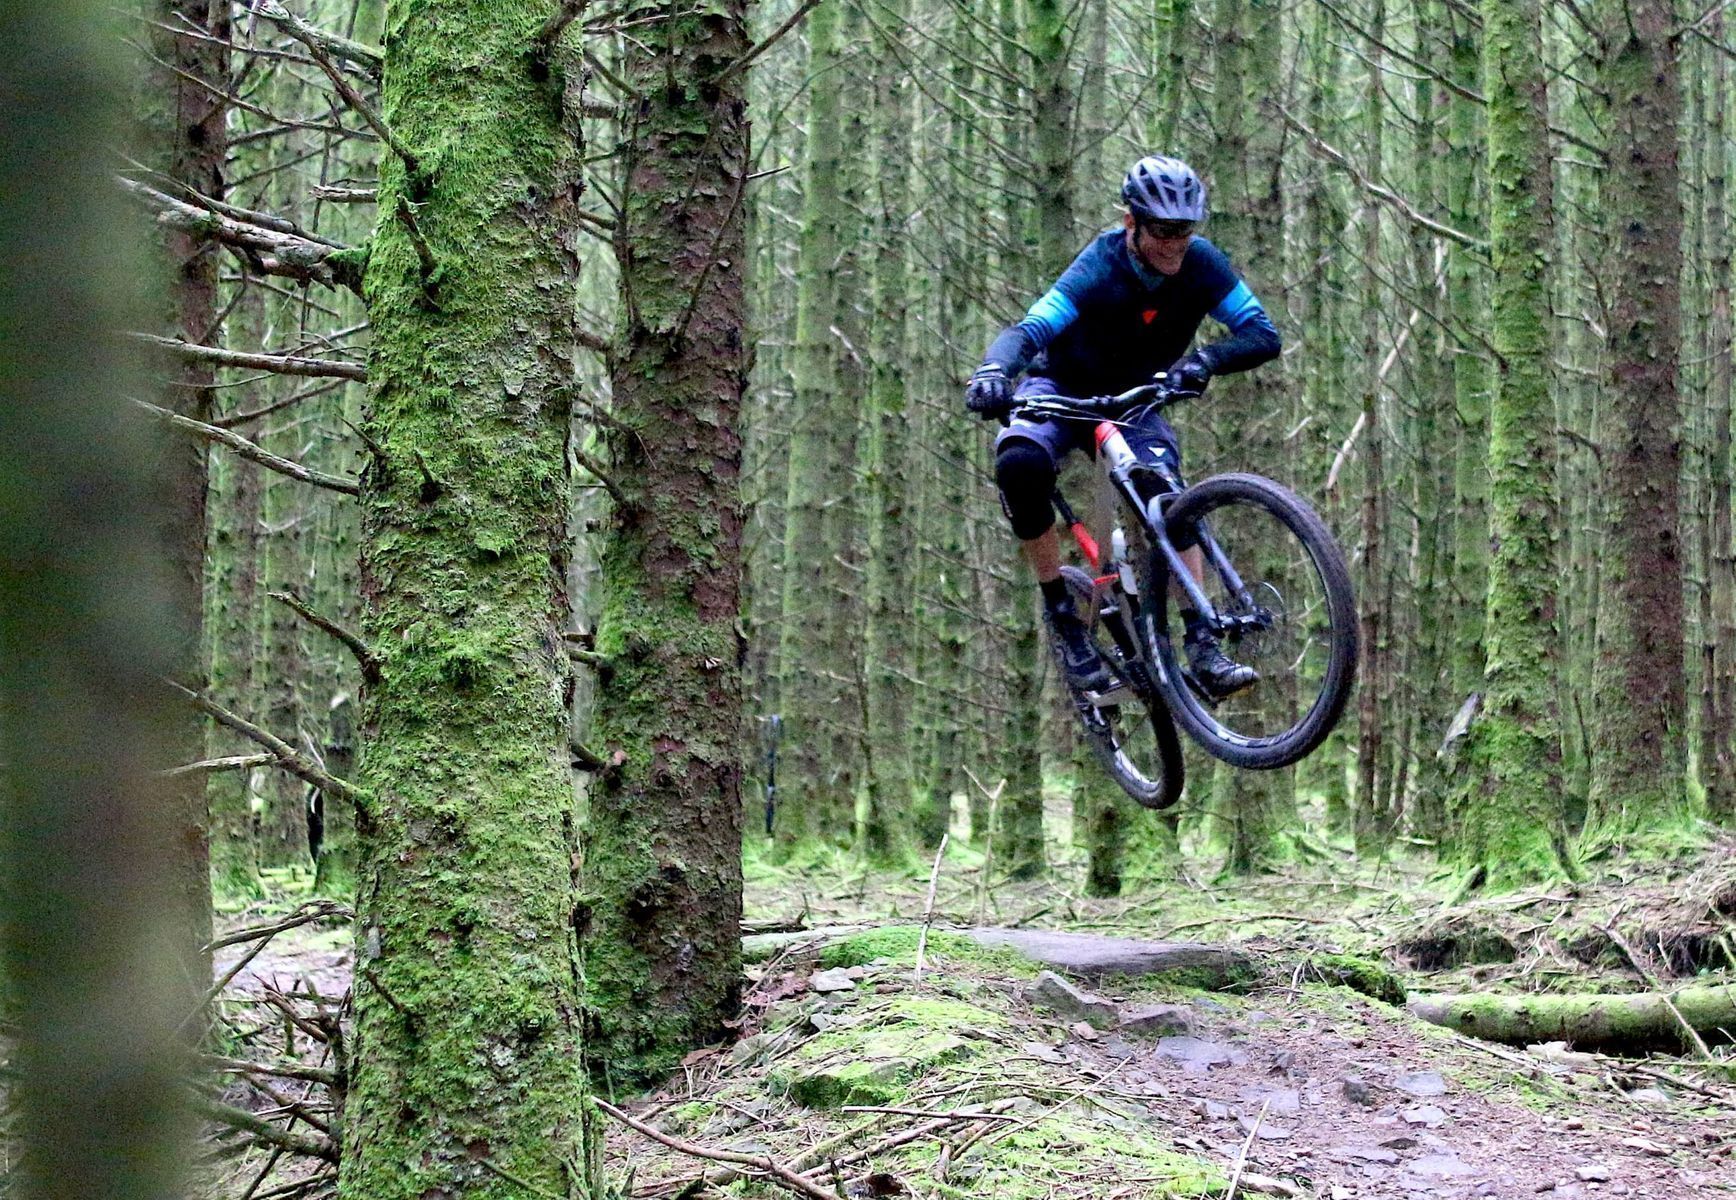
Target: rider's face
[(1161, 254)]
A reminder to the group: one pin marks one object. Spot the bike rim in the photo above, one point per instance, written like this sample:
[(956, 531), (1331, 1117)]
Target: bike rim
[(1121, 735), (1281, 626)]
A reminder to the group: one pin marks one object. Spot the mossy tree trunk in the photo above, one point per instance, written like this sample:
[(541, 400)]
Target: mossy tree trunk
[(1717, 765), (1020, 828), (1637, 777), (662, 839), (810, 802), (888, 696), (1254, 808), (1508, 822), (1373, 822), (1470, 368), (467, 1042)]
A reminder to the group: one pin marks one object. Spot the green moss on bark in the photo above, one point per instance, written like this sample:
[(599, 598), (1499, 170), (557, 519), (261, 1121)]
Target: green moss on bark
[(662, 844), (467, 1049), (1508, 820)]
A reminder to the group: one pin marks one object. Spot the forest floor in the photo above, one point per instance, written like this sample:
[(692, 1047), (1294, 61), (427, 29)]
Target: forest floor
[(861, 1078)]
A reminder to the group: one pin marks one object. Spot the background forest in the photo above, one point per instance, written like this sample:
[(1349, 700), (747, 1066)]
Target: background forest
[(550, 421)]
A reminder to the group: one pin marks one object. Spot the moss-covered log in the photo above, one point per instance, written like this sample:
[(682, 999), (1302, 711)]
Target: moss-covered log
[(1625, 1024), (662, 873), (467, 1070)]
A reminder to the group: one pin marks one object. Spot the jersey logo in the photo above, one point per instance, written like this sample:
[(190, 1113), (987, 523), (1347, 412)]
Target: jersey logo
[(1150, 315)]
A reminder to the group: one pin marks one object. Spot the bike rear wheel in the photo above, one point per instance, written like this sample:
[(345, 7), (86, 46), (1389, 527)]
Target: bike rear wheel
[(1128, 729), (1283, 590)]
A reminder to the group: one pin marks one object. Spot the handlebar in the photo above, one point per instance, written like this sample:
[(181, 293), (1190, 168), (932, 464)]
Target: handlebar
[(1154, 395)]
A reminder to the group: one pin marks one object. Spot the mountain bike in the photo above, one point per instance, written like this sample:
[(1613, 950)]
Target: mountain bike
[(1288, 610)]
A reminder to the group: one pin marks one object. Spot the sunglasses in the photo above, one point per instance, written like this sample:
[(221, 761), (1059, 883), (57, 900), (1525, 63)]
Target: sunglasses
[(1169, 229)]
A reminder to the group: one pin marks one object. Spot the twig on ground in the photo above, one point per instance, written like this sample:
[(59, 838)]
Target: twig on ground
[(933, 1116), (762, 1162), (928, 908), (1242, 1156), (1694, 1039)]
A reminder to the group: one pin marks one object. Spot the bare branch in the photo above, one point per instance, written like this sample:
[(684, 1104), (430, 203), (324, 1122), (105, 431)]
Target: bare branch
[(544, 42), (762, 1162), (369, 661), (307, 914), (288, 757), (771, 39), (264, 1131), (253, 452), (357, 54), (428, 266), (236, 762), (345, 195), (280, 364), (1387, 195), (317, 45), (596, 469), (265, 410), (272, 251), (241, 1066)]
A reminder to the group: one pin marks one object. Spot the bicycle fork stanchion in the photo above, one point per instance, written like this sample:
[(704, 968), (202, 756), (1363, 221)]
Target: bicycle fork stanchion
[(1122, 462)]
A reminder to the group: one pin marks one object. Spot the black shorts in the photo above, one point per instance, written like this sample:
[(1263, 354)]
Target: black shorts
[(1150, 438)]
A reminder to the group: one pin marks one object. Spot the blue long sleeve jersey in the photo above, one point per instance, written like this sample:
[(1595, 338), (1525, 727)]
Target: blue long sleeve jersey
[(1109, 323)]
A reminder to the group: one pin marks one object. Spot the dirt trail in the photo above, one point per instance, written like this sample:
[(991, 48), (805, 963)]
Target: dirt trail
[(1353, 1099)]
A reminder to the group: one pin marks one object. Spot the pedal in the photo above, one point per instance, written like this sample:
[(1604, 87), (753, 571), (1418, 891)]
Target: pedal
[(1119, 693)]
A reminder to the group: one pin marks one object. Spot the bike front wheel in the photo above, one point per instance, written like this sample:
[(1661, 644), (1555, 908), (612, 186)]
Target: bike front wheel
[(1128, 728), (1286, 608)]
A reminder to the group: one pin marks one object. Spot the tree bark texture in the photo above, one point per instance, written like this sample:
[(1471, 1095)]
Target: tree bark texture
[(662, 869), (1509, 822), (188, 144), (1637, 779), (889, 698), (467, 1043), (811, 801)]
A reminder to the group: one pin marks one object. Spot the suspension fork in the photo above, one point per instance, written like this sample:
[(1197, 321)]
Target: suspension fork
[(1120, 461)]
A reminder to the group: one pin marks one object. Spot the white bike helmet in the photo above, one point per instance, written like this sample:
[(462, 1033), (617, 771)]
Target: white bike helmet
[(1164, 189)]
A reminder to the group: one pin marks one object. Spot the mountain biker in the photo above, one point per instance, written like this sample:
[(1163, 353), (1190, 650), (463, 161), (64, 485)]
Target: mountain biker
[(1128, 307)]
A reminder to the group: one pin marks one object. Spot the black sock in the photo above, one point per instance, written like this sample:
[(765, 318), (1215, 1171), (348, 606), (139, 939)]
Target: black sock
[(1054, 591)]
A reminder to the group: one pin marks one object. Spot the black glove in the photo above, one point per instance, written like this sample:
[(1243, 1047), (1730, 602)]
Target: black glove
[(1190, 376), (990, 392)]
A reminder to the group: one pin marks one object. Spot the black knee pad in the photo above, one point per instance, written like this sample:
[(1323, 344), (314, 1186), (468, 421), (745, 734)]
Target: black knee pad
[(1026, 476)]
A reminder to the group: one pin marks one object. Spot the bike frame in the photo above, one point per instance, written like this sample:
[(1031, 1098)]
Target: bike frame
[(1122, 466)]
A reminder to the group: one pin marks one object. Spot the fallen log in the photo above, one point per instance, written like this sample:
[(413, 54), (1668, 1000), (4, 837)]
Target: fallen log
[(1087, 956), (1618, 1024)]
